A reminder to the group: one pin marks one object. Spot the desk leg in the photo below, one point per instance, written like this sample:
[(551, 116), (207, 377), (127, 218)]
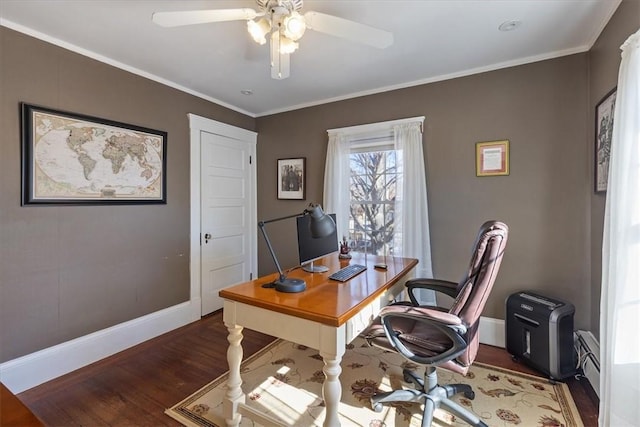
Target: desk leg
[(331, 389), (234, 395)]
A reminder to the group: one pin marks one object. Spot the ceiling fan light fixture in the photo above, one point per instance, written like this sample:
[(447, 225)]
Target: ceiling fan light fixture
[(282, 23), (259, 30), (294, 26), (287, 45)]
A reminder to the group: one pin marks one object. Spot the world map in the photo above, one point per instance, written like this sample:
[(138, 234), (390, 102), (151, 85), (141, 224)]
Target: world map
[(80, 159)]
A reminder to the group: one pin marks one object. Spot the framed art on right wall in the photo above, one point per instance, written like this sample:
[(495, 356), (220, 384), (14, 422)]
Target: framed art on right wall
[(492, 158), (604, 131)]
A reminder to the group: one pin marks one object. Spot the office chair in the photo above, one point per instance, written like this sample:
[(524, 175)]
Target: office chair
[(438, 337)]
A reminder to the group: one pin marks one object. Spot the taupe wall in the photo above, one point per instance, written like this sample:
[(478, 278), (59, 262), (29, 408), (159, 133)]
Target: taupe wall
[(541, 108), (604, 62), (69, 271)]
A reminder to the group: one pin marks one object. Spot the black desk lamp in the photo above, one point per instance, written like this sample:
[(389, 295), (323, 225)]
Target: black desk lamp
[(321, 225)]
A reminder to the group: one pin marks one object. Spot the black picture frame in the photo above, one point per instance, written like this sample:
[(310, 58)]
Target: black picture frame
[(292, 178), (604, 116), (77, 159)]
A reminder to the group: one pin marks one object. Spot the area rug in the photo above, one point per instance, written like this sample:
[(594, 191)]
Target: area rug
[(285, 380)]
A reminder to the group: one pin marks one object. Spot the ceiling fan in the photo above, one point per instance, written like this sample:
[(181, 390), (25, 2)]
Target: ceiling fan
[(283, 24)]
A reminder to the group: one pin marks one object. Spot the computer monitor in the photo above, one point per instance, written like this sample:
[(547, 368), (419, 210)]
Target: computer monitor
[(310, 249)]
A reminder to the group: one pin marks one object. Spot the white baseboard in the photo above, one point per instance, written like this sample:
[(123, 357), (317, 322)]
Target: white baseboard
[(36, 368), (492, 332)]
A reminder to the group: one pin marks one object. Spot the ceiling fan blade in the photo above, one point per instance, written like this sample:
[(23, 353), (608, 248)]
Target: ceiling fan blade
[(347, 29), (190, 17)]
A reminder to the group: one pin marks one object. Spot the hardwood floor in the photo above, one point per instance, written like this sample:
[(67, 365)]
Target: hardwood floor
[(134, 387)]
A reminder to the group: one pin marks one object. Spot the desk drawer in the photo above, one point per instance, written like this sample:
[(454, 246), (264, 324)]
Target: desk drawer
[(361, 321)]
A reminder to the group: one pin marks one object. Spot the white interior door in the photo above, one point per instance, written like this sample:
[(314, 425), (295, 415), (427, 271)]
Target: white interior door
[(223, 210), (225, 216)]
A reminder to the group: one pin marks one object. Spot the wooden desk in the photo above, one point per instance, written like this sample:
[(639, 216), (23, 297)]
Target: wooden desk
[(14, 413), (326, 316)]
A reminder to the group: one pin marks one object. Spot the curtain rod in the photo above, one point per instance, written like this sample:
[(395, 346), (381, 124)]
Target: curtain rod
[(376, 126)]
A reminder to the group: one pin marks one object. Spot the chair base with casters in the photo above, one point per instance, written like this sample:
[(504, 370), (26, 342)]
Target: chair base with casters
[(432, 395)]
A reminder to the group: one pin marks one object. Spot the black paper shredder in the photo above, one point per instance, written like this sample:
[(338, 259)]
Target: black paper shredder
[(539, 331)]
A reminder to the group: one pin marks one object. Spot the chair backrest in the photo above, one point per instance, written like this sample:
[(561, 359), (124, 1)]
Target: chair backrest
[(474, 289)]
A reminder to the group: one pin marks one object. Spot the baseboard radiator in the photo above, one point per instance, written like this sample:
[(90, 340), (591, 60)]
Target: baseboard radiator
[(589, 358)]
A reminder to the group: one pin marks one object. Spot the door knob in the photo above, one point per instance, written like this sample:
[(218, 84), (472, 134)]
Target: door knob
[(207, 237)]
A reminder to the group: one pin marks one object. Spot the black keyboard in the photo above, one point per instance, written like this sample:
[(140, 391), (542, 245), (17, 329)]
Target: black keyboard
[(347, 272)]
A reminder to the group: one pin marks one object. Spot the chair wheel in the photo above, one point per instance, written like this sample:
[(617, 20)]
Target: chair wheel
[(470, 395), (377, 407)]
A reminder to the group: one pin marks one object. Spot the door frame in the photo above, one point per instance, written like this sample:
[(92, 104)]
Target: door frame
[(198, 124)]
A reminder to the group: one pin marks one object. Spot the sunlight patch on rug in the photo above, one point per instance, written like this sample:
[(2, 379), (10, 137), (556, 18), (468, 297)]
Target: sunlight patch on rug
[(285, 380)]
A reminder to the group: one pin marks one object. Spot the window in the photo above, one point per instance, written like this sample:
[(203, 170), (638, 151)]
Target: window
[(372, 191)]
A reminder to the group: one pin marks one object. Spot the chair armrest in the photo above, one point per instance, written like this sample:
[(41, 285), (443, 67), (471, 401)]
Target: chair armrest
[(442, 286), (450, 324)]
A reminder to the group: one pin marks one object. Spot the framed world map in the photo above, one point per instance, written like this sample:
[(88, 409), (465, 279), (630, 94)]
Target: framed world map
[(72, 158)]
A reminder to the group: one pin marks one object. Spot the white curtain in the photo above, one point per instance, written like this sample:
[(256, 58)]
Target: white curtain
[(411, 220), (336, 182), (620, 298)]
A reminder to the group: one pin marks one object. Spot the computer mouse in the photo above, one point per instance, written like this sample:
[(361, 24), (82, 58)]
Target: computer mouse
[(381, 266)]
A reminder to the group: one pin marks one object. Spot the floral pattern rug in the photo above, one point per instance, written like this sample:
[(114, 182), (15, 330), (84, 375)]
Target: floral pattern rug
[(285, 380)]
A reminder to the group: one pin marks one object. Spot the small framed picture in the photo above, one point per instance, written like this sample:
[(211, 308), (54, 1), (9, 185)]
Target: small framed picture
[(604, 131), (292, 178), (492, 158)]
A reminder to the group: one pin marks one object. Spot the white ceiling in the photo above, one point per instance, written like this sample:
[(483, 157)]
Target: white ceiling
[(433, 40)]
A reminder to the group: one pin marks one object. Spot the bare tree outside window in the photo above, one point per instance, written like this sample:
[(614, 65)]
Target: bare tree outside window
[(373, 193)]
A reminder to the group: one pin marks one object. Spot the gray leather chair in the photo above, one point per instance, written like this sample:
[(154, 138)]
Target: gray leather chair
[(437, 337)]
